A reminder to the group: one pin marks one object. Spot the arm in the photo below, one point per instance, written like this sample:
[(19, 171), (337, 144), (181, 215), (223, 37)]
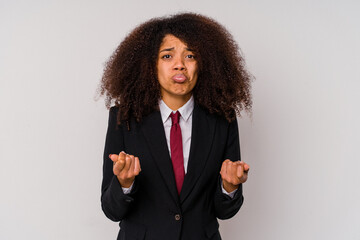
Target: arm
[(114, 202), (233, 174)]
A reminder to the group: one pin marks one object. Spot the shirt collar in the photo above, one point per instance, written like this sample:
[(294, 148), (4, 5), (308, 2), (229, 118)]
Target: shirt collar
[(185, 111)]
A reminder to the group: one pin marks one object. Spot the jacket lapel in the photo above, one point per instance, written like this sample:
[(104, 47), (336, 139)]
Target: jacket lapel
[(153, 130), (202, 135)]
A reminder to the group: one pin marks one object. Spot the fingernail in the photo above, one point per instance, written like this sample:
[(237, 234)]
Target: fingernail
[(110, 155)]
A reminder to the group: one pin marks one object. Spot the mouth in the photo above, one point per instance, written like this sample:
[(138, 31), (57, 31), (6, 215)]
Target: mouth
[(179, 78)]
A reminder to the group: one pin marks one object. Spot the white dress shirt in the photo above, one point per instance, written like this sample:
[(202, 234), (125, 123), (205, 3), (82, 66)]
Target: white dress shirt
[(186, 112), (185, 123)]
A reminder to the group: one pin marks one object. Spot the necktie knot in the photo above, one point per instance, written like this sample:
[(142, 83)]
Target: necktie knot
[(175, 117)]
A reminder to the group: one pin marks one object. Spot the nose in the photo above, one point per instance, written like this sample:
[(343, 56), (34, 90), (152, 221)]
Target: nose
[(179, 64)]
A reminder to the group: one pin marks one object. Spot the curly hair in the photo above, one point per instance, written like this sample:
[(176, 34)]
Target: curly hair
[(130, 75)]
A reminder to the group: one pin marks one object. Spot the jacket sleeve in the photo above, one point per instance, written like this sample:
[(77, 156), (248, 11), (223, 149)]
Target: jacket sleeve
[(114, 202), (225, 206)]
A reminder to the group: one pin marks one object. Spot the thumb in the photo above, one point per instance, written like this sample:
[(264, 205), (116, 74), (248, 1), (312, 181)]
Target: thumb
[(113, 157), (240, 169), (246, 167)]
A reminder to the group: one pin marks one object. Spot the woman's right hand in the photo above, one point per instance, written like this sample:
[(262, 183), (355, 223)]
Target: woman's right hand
[(126, 168)]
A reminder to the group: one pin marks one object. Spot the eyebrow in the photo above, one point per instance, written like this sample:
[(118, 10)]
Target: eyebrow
[(170, 49)]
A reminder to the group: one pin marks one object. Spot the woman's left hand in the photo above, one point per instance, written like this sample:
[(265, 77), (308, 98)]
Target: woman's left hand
[(233, 174)]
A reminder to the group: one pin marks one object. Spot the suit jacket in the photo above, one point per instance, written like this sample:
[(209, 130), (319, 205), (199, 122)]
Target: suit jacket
[(153, 209)]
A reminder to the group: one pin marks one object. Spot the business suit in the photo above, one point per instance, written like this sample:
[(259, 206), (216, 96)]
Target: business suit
[(154, 210)]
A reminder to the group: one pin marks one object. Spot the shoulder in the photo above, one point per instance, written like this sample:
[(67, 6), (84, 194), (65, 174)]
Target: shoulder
[(114, 110), (114, 115), (213, 116), (128, 126), (113, 122)]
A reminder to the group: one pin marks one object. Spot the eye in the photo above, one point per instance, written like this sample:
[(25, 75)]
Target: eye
[(191, 56), (166, 56)]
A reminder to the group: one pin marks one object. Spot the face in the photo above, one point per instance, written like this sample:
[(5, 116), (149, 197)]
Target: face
[(177, 69)]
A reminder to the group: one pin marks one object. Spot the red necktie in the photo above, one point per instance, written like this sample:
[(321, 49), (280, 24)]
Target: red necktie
[(176, 147)]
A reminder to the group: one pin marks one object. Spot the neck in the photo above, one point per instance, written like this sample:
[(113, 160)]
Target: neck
[(174, 103)]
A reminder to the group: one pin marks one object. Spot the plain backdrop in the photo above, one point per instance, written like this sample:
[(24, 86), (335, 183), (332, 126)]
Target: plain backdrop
[(302, 140)]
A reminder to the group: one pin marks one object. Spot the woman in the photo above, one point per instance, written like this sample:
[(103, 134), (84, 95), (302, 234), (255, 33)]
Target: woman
[(172, 157)]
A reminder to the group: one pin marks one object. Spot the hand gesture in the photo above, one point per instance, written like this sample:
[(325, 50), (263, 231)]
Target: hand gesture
[(126, 167), (233, 174)]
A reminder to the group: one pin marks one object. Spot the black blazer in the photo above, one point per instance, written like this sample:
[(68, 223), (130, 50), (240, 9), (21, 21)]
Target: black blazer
[(154, 210)]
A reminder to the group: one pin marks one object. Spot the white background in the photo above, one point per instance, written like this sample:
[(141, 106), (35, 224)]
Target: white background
[(301, 143)]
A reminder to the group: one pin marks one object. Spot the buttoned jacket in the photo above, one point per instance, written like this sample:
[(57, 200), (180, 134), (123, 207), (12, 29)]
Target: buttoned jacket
[(154, 210)]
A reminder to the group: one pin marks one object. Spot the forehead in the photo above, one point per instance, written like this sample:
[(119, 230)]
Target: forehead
[(172, 41)]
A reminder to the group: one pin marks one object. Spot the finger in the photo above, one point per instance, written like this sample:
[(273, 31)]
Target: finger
[(238, 162), (228, 167), (234, 167), (137, 167), (231, 170), (121, 159), (113, 157), (246, 167), (118, 167), (127, 163), (240, 171), (223, 167), (243, 164), (132, 164), (122, 156), (234, 172), (119, 163)]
